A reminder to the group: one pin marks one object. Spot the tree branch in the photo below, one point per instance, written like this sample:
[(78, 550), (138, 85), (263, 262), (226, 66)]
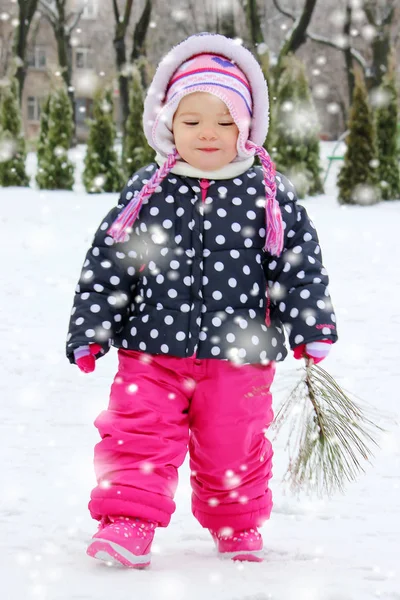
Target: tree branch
[(75, 21), (369, 12), (283, 12), (355, 53), (388, 17), (116, 11), (49, 12)]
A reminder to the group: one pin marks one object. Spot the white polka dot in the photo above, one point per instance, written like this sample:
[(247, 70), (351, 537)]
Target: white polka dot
[(282, 307), (294, 313), (321, 304), (232, 282), (311, 321), (154, 333), (79, 321), (164, 348), (89, 333), (216, 322), (251, 214), (185, 308), (243, 298), (180, 336), (221, 212), (255, 340), (168, 320), (237, 181), (298, 339), (237, 201), (230, 337), (220, 239), (98, 287), (251, 191), (167, 224), (114, 280), (183, 189), (215, 350), (305, 294), (301, 275), (172, 293), (95, 308), (219, 266), (217, 295), (234, 253), (236, 227), (154, 211), (133, 331), (106, 324)]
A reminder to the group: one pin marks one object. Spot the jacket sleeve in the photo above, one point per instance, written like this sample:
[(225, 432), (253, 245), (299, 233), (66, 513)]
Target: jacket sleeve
[(297, 280), (104, 292)]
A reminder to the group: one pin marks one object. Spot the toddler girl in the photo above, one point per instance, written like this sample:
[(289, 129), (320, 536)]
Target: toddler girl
[(193, 277)]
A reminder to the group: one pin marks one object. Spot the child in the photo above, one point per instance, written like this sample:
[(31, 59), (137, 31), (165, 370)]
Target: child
[(192, 277)]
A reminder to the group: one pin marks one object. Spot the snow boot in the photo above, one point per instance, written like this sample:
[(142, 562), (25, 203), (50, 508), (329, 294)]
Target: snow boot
[(123, 541), (244, 545)]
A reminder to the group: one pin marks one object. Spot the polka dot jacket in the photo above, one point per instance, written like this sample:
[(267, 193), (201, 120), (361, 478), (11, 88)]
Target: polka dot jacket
[(193, 276)]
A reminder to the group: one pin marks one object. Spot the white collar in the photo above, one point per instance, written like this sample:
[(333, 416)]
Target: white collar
[(233, 169)]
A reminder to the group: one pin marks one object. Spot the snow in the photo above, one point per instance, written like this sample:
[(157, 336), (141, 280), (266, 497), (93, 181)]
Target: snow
[(342, 548)]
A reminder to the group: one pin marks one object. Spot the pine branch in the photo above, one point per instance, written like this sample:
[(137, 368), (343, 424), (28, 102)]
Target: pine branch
[(330, 436)]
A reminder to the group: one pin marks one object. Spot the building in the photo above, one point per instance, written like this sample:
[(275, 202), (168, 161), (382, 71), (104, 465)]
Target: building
[(93, 59)]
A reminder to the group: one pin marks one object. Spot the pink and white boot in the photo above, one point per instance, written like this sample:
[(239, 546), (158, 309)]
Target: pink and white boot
[(244, 545), (123, 541)]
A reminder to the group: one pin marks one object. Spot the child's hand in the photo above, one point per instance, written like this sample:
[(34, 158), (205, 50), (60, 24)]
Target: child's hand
[(316, 351), (85, 357)]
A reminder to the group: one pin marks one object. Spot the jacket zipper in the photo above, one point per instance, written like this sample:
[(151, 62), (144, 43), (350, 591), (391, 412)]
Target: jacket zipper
[(204, 184)]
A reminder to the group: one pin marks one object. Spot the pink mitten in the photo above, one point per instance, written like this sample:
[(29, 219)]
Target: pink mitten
[(317, 351), (85, 357)]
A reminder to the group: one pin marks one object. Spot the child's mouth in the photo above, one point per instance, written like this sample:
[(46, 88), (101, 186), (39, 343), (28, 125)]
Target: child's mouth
[(209, 149)]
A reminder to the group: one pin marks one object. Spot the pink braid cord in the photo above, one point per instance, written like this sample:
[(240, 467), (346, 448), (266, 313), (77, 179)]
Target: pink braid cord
[(125, 220), (273, 215)]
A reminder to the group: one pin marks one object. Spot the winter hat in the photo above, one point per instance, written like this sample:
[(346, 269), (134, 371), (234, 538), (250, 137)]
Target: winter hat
[(237, 79), (206, 73)]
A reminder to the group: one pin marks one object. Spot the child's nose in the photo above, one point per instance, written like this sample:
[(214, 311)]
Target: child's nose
[(208, 133)]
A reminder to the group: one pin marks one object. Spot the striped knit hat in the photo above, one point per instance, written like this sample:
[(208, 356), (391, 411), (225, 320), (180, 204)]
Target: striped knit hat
[(218, 65)]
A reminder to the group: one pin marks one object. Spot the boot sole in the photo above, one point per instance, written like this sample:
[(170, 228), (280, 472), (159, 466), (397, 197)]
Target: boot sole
[(116, 555)]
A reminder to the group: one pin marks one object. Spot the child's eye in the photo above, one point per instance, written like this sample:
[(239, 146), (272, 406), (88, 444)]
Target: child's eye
[(226, 124), (191, 123)]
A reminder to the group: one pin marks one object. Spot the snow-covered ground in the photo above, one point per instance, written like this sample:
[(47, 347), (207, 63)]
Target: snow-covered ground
[(343, 548)]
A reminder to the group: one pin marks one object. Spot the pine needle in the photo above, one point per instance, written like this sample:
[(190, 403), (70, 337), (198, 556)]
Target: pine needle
[(330, 436)]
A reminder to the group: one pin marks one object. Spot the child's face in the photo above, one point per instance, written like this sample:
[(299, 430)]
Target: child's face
[(203, 121)]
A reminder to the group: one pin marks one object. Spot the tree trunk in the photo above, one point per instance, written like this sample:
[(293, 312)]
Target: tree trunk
[(120, 53), (27, 9), (348, 55), (140, 33), (226, 25)]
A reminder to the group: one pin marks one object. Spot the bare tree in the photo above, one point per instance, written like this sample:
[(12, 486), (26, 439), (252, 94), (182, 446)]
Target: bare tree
[(63, 24), (26, 12), (380, 17)]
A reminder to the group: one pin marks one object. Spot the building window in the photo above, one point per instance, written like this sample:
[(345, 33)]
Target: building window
[(83, 110), (34, 105), (37, 58), (89, 9), (84, 58)]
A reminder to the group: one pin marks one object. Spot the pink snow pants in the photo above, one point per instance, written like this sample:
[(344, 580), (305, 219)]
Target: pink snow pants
[(162, 405)]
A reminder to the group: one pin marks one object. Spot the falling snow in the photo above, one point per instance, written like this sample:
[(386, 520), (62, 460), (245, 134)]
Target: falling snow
[(342, 548)]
